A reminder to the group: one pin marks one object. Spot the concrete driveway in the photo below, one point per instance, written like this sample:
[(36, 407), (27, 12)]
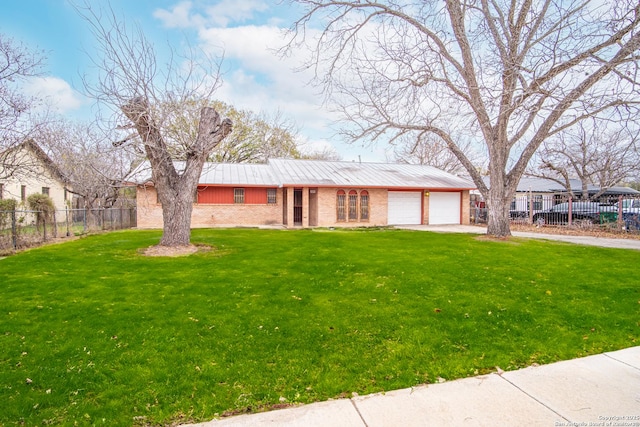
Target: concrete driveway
[(579, 240)]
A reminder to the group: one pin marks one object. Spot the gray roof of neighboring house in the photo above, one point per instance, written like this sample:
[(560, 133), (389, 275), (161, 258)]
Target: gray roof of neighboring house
[(544, 185), (538, 185), (535, 185), (284, 172)]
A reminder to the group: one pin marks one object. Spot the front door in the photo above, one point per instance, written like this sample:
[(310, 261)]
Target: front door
[(297, 206), (313, 207)]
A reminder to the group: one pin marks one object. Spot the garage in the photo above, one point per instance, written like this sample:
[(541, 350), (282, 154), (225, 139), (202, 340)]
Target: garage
[(444, 208), (404, 208)]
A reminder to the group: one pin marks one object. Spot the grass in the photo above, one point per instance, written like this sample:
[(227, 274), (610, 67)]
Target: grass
[(93, 333)]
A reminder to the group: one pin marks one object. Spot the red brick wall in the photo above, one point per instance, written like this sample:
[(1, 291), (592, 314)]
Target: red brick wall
[(214, 215), (211, 215), (327, 214)]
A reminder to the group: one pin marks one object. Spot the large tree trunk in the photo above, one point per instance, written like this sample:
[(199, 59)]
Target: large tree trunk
[(498, 204), (176, 189), (501, 191), (176, 216)]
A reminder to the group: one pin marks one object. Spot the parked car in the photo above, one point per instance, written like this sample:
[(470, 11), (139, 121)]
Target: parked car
[(580, 211), (629, 206), (630, 213)]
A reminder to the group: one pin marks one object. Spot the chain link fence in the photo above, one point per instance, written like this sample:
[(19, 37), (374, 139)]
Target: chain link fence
[(612, 213), (23, 228)]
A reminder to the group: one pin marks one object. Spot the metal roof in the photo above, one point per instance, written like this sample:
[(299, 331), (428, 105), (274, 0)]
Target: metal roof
[(316, 173), (245, 174), (248, 174), (538, 185), (346, 174)]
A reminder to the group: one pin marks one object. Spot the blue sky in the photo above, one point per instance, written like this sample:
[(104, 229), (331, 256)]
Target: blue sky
[(254, 78)]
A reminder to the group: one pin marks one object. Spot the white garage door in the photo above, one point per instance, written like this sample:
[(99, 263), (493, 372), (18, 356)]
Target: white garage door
[(444, 208), (404, 208)]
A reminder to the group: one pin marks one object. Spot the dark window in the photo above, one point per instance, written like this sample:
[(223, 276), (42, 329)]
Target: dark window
[(364, 205), (45, 191), (341, 206), (537, 203), (271, 196), (23, 193), (238, 195)]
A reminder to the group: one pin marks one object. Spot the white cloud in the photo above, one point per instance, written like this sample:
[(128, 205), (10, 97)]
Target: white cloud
[(257, 69), (183, 14), (56, 93), (226, 11), (179, 16), (261, 81), (256, 78)]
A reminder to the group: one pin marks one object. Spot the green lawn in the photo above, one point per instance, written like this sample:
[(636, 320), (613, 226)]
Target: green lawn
[(93, 333)]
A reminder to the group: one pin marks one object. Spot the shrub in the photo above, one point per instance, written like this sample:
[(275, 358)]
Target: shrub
[(44, 206), (6, 207)]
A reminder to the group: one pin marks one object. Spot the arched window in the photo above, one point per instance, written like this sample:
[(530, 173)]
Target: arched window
[(364, 205), (353, 205), (341, 205)]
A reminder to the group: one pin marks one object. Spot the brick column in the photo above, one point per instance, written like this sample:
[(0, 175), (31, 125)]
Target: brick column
[(425, 207), (305, 207), (465, 210), (288, 193)]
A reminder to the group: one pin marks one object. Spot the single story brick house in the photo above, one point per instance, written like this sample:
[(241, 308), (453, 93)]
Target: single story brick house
[(312, 193)]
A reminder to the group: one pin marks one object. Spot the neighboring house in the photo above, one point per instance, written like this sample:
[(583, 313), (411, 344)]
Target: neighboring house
[(309, 193), (535, 195), (545, 193), (26, 169)]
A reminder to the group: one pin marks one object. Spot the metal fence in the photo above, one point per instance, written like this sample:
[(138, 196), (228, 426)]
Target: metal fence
[(615, 213), (23, 228)]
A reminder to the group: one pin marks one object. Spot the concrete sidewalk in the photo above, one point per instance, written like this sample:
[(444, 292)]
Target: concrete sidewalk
[(600, 390)]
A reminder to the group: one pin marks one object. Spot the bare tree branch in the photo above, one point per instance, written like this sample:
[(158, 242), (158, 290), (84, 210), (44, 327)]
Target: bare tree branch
[(509, 74), (146, 93)]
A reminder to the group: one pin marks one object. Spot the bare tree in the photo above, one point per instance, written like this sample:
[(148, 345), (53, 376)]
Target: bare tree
[(326, 153), (509, 73), (592, 153), (429, 150), (93, 168), (17, 63), (134, 85)]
